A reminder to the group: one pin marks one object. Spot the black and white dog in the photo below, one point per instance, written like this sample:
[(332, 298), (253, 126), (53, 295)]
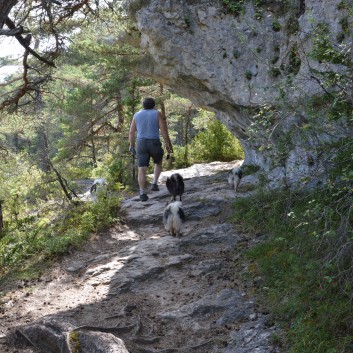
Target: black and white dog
[(99, 186), (173, 218), (234, 177), (175, 185)]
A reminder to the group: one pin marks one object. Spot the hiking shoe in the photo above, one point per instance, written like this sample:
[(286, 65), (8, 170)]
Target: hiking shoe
[(143, 197), (155, 187)]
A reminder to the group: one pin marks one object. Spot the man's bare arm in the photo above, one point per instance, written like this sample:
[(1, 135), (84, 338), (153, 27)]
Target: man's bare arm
[(132, 133), (164, 131)]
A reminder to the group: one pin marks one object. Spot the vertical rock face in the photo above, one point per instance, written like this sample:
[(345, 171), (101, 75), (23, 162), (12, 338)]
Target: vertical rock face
[(257, 65)]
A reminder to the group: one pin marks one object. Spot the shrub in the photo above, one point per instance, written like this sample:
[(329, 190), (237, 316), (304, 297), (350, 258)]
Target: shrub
[(28, 239), (115, 168), (215, 143), (181, 158)]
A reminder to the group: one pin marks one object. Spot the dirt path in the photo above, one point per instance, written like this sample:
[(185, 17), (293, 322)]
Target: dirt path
[(155, 292)]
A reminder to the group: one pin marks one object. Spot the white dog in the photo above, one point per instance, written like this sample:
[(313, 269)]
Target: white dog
[(173, 218), (99, 186), (234, 177)]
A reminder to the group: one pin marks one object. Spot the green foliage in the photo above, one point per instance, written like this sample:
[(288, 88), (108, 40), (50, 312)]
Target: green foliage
[(39, 222), (234, 6), (115, 169), (250, 169), (187, 20), (237, 7), (197, 136), (119, 171), (306, 262), (324, 50), (276, 26), (99, 214), (41, 237), (248, 75), (96, 94), (342, 173), (74, 341), (274, 71), (183, 119), (18, 178), (344, 22), (292, 25), (342, 5), (236, 54), (181, 157), (334, 106), (215, 143), (274, 59), (294, 62)]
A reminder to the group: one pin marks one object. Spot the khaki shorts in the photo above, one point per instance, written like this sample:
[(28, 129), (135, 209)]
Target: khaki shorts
[(146, 149)]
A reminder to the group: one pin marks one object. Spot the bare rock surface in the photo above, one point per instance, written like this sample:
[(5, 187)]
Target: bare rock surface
[(135, 288)]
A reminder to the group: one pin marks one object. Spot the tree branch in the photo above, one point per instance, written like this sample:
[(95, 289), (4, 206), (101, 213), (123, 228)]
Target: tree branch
[(72, 10), (22, 91), (24, 43), (321, 85), (12, 32)]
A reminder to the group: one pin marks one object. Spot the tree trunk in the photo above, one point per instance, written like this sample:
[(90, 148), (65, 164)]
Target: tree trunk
[(120, 110), (94, 157), (186, 136), (62, 182), (161, 89), (1, 220)]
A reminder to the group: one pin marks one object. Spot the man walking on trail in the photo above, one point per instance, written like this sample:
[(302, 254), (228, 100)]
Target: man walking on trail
[(148, 122)]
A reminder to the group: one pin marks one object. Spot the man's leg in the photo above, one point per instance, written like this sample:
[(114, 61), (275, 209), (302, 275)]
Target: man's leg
[(157, 173), (142, 171)]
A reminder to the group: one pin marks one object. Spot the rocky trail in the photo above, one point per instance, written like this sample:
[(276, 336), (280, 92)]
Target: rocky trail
[(137, 289)]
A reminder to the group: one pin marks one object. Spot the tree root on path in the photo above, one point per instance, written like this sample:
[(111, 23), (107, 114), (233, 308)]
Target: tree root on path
[(145, 339), (114, 329), (135, 330), (128, 308)]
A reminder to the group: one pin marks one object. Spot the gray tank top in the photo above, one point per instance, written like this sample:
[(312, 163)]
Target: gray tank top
[(147, 124)]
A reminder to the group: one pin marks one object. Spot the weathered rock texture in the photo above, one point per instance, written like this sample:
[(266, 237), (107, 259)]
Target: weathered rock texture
[(234, 64)]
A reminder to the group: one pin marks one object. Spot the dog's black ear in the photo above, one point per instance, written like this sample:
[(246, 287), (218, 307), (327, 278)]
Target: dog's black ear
[(181, 214), (167, 212)]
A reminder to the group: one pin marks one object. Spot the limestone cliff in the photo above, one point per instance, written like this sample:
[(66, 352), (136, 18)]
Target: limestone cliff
[(257, 64)]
